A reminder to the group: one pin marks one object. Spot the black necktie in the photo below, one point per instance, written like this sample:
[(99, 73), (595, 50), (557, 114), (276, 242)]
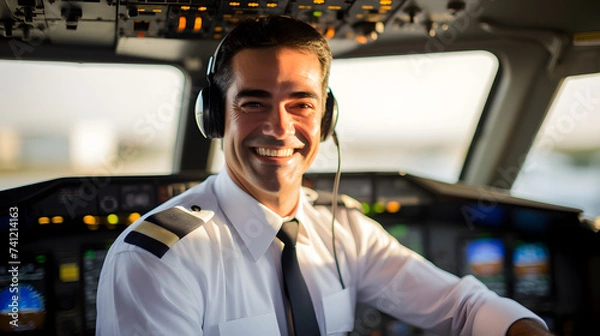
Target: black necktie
[(303, 314)]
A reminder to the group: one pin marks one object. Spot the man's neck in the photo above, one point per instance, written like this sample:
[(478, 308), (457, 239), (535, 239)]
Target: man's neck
[(282, 199), (282, 205)]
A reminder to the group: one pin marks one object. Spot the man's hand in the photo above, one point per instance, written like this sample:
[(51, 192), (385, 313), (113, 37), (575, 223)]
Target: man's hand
[(527, 327)]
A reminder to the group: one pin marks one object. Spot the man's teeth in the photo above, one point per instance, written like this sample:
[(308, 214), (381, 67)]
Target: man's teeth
[(275, 152)]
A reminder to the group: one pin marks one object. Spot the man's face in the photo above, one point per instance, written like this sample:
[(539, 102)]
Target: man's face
[(273, 111)]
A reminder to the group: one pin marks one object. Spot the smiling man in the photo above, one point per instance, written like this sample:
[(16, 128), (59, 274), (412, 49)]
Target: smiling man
[(247, 253), (273, 114)]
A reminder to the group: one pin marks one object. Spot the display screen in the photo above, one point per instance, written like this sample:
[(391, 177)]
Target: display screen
[(485, 259), (531, 268), (93, 259), (408, 235), (23, 295)]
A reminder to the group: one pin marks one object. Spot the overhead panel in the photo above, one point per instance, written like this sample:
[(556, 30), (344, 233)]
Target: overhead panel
[(103, 22), (37, 22)]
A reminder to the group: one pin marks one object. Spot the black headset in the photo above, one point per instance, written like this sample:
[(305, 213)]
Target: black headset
[(210, 113)]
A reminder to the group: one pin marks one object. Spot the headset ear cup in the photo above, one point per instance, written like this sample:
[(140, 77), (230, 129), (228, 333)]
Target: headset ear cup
[(202, 111), (217, 114), (330, 117), (209, 114)]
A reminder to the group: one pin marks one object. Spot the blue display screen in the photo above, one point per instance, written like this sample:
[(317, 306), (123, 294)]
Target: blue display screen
[(531, 268), (23, 305), (485, 259)]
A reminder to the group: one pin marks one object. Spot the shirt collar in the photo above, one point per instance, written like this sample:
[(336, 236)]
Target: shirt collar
[(256, 224)]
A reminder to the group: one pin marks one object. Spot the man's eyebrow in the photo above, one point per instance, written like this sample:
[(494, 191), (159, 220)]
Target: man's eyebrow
[(305, 94), (257, 93), (252, 93)]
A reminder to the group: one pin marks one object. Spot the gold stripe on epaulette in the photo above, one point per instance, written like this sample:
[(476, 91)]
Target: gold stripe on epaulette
[(158, 233)]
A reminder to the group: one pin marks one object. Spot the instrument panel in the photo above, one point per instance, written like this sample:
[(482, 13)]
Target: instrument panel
[(103, 22), (59, 231)]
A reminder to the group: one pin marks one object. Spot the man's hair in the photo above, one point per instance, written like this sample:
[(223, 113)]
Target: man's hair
[(267, 32)]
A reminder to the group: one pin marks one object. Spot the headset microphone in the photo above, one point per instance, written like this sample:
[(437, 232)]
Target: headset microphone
[(336, 185)]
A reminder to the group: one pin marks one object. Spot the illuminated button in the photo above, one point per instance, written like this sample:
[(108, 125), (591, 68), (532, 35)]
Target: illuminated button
[(234, 3), (133, 217), (318, 2), (334, 7), (68, 272), (252, 4), (271, 4), (58, 219), (90, 254), (112, 219), (182, 23), (202, 9), (379, 207), (398, 231), (43, 220), (385, 2), (392, 207), (361, 39), (90, 220), (197, 24), (40, 258), (366, 207), (185, 8), (317, 13), (330, 33)]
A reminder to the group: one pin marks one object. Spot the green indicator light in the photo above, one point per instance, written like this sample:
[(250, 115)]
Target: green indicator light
[(398, 231), (317, 13), (112, 219), (379, 207), (366, 207), (90, 254), (40, 258)]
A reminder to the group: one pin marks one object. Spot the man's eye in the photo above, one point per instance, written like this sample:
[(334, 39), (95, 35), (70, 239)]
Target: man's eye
[(304, 105), (251, 104), (252, 107)]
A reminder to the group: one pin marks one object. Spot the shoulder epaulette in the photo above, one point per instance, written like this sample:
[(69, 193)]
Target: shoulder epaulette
[(326, 198), (160, 231)]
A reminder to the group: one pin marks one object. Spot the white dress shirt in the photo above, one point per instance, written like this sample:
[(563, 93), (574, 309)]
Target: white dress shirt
[(224, 278)]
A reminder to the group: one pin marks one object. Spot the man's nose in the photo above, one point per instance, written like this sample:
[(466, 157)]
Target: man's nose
[(279, 124)]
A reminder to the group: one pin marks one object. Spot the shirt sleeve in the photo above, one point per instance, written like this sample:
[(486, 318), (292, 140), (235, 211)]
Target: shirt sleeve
[(138, 294), (404, 285)]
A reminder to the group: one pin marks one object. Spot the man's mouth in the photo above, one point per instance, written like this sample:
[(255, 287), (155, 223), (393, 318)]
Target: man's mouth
[(286, 152)]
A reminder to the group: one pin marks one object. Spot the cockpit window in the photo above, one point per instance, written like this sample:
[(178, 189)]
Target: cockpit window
[(563, 165), (64, 119), (413, 113)]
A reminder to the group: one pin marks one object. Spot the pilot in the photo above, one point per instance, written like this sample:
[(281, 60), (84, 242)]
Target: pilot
[(247, 253)]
